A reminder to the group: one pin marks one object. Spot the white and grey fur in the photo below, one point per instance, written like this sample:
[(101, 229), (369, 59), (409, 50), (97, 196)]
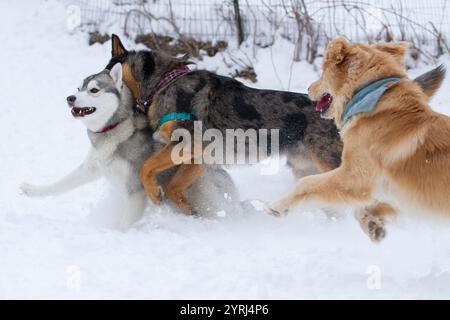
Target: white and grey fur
[(117, 154)]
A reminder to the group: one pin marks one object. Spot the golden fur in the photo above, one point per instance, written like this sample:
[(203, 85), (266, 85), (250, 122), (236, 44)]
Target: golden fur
[(185, 176), (398, 154)]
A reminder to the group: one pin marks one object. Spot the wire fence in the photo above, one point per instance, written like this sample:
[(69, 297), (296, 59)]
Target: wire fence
[(306, 23)]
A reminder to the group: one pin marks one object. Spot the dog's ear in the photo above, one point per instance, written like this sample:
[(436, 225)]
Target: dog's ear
[(117, 49), (337, 50), (396, 49), (116, 74)]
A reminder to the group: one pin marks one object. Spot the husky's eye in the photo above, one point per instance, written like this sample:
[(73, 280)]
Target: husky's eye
[(94, 90)]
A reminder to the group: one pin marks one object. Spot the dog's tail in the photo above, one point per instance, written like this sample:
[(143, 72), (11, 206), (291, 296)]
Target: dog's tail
[(431, 81)]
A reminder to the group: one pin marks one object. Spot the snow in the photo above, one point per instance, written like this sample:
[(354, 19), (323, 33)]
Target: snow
[(49, 248)]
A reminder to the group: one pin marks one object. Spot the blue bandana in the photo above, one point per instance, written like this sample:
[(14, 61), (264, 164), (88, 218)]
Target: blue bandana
[(367, 98)]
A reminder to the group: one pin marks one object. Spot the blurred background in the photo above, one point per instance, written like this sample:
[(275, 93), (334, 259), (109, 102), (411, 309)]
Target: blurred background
[(193, 26)]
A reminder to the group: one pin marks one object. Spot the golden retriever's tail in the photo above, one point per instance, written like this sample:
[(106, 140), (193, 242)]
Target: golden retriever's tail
[(431, 81)]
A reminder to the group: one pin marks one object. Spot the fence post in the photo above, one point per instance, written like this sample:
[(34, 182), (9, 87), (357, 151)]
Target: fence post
[(238, 21)]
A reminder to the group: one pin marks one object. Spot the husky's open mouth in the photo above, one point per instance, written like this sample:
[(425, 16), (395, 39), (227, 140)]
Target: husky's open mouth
[(81, 112), (324, 103)]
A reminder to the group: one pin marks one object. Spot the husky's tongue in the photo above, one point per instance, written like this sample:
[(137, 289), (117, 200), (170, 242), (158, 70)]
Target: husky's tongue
[(323, 104)]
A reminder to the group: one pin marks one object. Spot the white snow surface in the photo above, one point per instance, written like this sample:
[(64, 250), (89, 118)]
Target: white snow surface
[(49, 248)]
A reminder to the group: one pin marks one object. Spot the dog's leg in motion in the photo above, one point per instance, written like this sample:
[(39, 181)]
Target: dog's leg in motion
[(85, 173), (135, 206), (331, 189), (372, 220), (185, 176), (159, 162)]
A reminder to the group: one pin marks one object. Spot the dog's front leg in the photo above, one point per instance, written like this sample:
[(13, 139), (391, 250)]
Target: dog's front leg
[(85, 173), (134, 209), (336, 188)]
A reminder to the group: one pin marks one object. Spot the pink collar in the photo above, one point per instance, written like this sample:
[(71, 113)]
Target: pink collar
[(108, 128), (143, 105)]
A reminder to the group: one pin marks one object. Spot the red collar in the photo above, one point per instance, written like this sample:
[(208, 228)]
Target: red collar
[(143, 105), (108, 128)]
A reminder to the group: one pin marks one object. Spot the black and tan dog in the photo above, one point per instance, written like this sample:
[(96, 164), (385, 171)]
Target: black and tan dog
[(312, 144)]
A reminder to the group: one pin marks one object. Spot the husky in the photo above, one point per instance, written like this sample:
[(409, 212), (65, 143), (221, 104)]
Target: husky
[(311, 144), (121, 140)]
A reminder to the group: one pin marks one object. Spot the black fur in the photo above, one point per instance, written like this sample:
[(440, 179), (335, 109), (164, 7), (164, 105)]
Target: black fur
[(245, 110), (184, 101), (148, 65), (224, 103), (293, 129)]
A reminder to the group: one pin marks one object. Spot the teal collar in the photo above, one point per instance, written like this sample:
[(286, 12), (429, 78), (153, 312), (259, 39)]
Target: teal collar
[(180, 116), (366, 99)]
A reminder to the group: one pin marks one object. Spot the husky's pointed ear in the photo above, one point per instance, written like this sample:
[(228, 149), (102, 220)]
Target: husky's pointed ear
[(337, 50), (116, 74), (117, 49)]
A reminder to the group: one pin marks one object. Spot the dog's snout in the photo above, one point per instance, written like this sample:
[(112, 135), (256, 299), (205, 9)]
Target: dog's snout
[(71, 99)]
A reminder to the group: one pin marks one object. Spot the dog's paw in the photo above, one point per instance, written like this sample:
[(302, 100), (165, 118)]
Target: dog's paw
[(373, 226), (376, 231), (30, 190), (195, 214), (184, 207), (156, 194), (276, 210)]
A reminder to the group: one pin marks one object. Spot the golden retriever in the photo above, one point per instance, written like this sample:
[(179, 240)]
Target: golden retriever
[(397, 152)]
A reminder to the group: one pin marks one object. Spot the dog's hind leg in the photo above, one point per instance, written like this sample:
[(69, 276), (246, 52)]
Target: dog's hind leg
[(185, 176), (157, 163)]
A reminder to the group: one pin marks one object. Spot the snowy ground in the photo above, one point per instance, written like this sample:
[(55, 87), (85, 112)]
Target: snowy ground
[(49, 249)]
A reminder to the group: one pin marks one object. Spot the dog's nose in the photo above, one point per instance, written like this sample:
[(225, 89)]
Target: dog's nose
[(71, 99)]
